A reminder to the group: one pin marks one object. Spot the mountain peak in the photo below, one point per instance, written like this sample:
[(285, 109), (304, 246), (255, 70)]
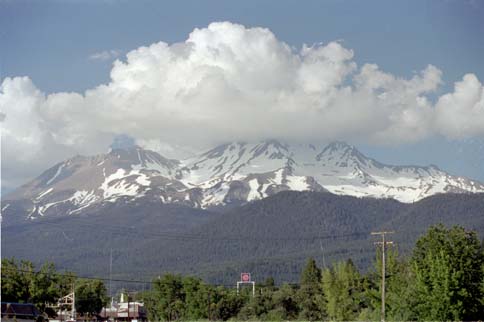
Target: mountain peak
[(341, 151), (275, 143), (232, 172), (340, 145)]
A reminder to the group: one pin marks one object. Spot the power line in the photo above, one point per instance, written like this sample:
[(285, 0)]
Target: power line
[(253, 260), (52, 276)]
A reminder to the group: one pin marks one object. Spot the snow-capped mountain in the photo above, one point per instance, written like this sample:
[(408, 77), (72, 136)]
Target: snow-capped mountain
[(232, 173)]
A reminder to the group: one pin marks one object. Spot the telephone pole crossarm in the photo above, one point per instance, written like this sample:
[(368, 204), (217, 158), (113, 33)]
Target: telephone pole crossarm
[(382, 232)]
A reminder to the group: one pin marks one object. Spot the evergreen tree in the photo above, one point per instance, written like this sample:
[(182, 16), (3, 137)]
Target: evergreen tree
[(310, 295), (342, 291), (269, 283), (399, 289), (228, 304), (435, 286), (285, 303), (259, 306)]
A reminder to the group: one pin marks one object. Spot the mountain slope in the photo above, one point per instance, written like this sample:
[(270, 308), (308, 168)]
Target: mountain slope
[(231, 174), (273, 236)]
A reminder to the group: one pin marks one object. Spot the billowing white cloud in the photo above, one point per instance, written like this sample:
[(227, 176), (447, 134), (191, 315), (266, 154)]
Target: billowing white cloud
[(403, 103), (460, 114), (20, 102), (228, 82)]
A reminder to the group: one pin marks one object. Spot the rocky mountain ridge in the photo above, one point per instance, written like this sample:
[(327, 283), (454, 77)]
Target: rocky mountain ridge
[(230, 174)]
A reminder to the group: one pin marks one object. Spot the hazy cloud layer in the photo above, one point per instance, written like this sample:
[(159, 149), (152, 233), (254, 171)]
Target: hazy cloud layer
[(227, 82), (106, 55)]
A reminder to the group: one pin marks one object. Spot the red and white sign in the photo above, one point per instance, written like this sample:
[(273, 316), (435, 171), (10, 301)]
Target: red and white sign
[(245, 277)]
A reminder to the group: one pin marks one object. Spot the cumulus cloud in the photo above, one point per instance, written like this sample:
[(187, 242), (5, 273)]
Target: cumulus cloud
[(460, 114), (105, 55), (228, 82)]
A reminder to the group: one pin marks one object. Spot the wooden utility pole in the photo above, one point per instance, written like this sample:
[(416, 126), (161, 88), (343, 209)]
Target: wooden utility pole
[(73, 311), (110, 276), (383, 244), (209, 313)]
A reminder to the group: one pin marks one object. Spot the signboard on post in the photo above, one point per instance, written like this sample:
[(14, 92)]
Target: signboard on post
[(245, 277)]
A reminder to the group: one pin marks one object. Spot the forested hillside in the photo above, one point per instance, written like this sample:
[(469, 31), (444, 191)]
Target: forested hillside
[(270, 237)]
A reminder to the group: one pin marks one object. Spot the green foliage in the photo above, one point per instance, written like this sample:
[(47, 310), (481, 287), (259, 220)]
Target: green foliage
[(435, 287), (44, 286), (197, 296), (169, 297), (176, 298), (21, 283), (269, 283), (228, 304), (270, 303), (91, 296), (309, 296), (443, 280), (16, 279), (150, 302), (258, 306), (448, 268), (399, 289), (285, 303), (342, 291), (482, 285)]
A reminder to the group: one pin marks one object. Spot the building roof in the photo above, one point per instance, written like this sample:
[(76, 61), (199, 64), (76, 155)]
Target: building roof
[(19, 309), (136, 310)]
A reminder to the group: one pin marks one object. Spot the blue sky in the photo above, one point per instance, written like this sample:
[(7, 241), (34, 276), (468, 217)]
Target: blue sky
[(53, 43), (38, 36)]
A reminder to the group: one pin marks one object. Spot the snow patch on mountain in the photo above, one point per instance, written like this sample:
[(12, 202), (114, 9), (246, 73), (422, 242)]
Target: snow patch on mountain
[(254, 192), (82, 199), (215, 195), (237, 172), (42, 194), (59, 170), (117, 185), (297, 183)]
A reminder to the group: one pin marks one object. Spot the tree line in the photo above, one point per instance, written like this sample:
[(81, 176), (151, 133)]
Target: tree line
[(443, 279), (23, 283)]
